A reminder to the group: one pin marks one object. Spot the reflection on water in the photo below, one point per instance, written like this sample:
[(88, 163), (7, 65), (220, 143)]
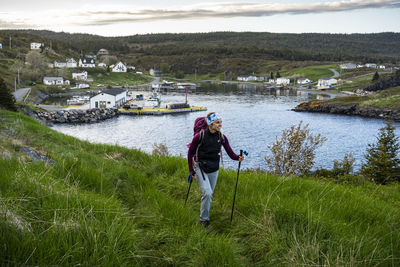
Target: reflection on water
[(252, 117)]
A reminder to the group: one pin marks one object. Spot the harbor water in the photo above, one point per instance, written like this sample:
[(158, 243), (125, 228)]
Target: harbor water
[(252, 118)]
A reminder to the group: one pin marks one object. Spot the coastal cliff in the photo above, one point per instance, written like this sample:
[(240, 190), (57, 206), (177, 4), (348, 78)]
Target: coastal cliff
[(353, 109)]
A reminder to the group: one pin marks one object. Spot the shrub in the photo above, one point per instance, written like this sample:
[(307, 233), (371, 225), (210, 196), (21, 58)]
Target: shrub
[(160, 149), (382, 162), (294, 153), (344, 167)]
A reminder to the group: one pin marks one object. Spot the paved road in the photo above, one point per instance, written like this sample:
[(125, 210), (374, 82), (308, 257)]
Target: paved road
[(335, 73), (20, 94)]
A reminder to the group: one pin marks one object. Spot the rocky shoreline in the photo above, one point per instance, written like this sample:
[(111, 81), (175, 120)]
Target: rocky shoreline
[(353, 110), (77, 116)]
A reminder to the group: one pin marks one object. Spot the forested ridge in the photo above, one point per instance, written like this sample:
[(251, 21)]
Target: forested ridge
[(309, 45), (224, 52)]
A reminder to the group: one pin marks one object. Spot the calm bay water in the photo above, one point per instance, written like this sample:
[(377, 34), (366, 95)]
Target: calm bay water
[(252, 117)]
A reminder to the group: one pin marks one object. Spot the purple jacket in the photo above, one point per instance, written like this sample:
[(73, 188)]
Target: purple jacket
[(195, 143)]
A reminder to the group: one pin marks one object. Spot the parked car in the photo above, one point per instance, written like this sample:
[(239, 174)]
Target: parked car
[(132, 106), (32, 84)]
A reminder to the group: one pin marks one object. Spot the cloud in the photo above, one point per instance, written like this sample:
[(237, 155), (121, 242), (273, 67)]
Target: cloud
[(93, 15), (228, 10)]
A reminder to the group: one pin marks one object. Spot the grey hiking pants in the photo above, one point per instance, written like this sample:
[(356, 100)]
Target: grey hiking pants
[(207, 186)]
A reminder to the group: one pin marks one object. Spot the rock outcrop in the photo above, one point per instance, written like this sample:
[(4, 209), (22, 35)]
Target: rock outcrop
[(77, 116), (355, 110)]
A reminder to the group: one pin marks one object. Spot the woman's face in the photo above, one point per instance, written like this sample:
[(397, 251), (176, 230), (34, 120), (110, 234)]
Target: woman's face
[(216, 125)]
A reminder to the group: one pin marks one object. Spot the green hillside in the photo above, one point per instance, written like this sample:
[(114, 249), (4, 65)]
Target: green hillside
[(103, 205)]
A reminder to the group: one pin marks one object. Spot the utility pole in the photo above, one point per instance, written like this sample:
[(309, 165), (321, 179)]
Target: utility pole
[(10, 42), (15, 84)]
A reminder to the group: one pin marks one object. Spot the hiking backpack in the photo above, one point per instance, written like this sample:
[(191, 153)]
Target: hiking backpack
[(200, 125)]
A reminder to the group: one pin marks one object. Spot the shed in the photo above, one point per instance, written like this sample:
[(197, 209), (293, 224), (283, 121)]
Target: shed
[(109, 98)]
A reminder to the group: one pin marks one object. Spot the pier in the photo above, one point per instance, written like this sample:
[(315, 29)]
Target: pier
[(160, 111)]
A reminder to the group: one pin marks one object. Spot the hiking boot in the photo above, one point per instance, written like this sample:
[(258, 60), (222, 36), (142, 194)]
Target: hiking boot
[(205, 223)]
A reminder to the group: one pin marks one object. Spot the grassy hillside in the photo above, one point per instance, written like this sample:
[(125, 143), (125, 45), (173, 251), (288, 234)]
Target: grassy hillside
[(102, 205)]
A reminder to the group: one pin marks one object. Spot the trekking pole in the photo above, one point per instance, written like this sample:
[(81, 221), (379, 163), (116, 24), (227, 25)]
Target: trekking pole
[(190, 178), (237, 180)]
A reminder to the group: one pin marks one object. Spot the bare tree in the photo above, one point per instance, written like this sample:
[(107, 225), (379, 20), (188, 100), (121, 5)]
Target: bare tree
[(36, 60)]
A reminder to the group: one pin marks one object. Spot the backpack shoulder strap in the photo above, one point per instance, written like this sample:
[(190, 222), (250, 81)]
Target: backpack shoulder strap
[(201, 133)]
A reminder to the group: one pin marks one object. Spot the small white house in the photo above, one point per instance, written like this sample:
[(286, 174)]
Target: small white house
[(36, 46), (382, 67), (80, 75), (371, 65), (347, 66), (119, 67), (53, 80), (303, 81), (109, 98), (71, 63), (360, 66), (87, 62), (282, 81), (61, 65), (102, 65), (1, 46), (325, 83)]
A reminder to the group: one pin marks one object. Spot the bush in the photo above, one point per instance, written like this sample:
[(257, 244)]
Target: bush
[(294, 153), (382, 162)]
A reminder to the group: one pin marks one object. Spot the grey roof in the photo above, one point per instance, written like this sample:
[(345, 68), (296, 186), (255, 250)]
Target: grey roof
[(114, 91), (52, 78)]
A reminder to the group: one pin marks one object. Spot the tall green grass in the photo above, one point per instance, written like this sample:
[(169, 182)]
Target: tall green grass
[(103, 205)]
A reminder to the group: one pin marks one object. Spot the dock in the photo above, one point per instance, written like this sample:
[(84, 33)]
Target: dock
[(159, 111)]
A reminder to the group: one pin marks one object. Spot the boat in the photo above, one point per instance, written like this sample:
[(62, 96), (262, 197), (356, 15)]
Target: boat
[(183, 86), (164, 85), (78, 100)]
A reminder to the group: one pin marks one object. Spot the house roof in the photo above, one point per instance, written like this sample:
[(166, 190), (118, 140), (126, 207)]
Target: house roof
[(114, 91), (87, 60), (79, 71), (52, 78)]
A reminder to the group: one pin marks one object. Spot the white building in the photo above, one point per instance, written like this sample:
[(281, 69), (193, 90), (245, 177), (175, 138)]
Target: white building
[(53, 80), (110, 98), (347, 66), (303, 81), (371, 65), (102, 65), (282, 81), (119, 67), (58, 64), (71, 63), (36, 46), (80, 75), (86, 62), (1, 46), (325, 83), (382, 67)]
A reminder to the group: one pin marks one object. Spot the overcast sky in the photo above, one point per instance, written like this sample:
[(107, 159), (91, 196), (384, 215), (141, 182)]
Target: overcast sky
[(124, 17)]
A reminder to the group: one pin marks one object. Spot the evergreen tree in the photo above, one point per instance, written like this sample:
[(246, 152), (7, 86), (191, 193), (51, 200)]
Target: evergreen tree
[(272, 75), (278, 75), (376, 77), (6, 98), (382, 162)]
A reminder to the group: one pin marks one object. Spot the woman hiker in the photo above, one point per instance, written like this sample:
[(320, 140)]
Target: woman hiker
[(205, 152)]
